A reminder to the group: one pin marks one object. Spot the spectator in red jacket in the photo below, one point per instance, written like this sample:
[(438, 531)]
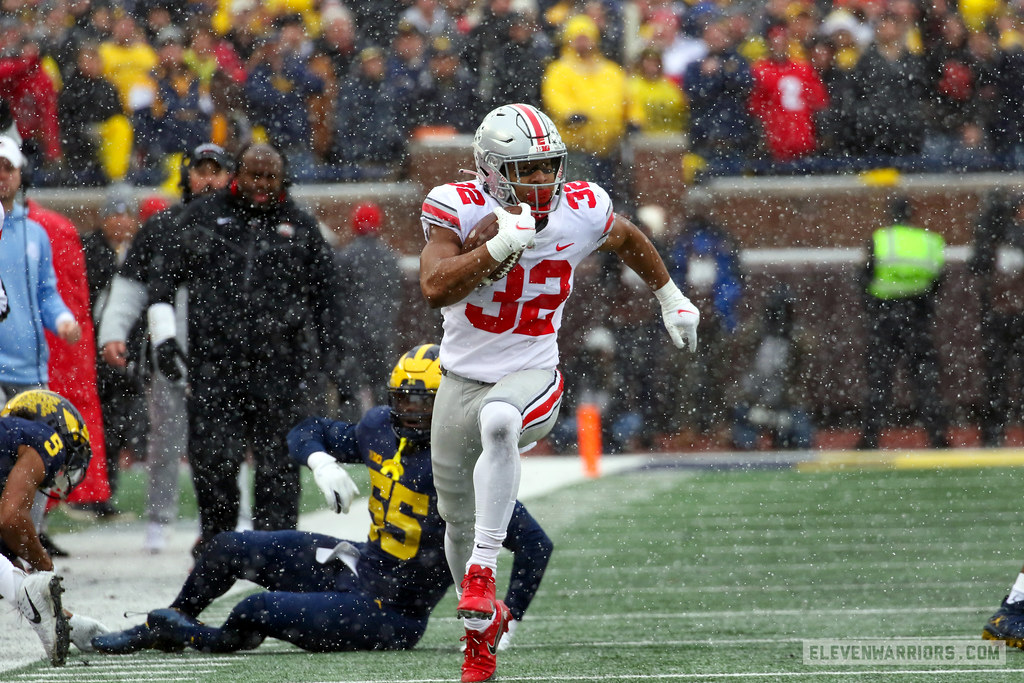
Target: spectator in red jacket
[(785, 97), (29, 90), (73, 367)]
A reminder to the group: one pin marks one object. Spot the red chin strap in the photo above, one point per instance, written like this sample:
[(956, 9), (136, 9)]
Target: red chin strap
[(535, 210)]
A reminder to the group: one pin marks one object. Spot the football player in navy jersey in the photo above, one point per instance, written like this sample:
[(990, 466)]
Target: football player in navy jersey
[(328, 594), (44, 446)]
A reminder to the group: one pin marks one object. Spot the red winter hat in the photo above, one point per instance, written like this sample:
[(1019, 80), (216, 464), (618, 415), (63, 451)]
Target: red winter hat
[(366, 219), (151, 205)]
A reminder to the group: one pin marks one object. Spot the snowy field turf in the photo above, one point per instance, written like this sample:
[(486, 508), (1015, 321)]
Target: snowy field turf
[(709, 571)]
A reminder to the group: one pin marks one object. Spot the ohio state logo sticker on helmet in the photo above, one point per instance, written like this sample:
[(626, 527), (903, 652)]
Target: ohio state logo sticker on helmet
[(535, 127)]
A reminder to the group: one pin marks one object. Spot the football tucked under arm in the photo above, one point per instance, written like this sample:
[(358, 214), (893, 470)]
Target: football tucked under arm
[(485, 230)]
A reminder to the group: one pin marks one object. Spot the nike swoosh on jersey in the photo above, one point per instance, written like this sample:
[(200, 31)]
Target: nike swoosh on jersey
[(560, 247), (36, 617), (519, 227), (681, 310)]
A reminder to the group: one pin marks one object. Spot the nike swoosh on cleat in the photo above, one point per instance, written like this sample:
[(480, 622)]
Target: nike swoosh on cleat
[(683, 310), (560, 247), (493, 647), (36, 617)]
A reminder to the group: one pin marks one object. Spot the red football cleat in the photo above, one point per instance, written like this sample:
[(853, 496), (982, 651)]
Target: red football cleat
[(477, 601), (482, 647)]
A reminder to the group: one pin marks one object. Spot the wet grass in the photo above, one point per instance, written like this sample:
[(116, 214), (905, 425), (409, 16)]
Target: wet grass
[(707, 576)]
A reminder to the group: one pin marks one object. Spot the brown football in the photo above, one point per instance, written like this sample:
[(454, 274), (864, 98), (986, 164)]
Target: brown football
[(485, 229)]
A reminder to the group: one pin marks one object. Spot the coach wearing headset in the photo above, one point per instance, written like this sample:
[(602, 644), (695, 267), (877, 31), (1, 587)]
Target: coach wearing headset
[(260, 277), (205, 170), (26, 268)]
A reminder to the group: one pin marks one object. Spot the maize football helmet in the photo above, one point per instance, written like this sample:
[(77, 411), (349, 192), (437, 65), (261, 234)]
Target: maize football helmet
[(52, 409), (411, 391), (512, 138)]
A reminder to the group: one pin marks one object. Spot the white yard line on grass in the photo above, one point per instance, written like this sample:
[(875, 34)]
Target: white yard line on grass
[(747, 613)]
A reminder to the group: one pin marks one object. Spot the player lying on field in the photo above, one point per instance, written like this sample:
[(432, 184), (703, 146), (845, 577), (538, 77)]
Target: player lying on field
[(327, 594)]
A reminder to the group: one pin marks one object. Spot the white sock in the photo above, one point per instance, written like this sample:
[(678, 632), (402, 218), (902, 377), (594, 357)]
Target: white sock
[(480, 624), (10, 579), (486, 545), (1017, 592)]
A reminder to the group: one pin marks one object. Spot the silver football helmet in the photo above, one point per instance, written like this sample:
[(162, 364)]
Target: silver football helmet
[(508, 145)]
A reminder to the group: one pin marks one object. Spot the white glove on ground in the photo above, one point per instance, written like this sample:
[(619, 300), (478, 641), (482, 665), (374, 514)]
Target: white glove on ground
[(680, 316), (83, 630), (516, 232), (338, 488)]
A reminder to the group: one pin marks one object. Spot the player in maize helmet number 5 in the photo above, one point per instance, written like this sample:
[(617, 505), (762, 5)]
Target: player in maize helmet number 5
[(501, 387), (44, 446)]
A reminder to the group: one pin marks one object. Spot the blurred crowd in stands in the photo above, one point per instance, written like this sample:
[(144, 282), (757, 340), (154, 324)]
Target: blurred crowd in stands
[(105, 91)]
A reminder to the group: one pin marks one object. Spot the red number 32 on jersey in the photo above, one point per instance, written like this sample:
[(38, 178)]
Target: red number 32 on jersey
[(532, 317)]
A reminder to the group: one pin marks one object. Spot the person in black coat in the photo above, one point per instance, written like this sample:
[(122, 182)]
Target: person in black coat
[(445, 91), (996, 263), (518, 64), (370, 130), (87, 100), (262, 318), (887, 96), (718, 87), (120, 392)]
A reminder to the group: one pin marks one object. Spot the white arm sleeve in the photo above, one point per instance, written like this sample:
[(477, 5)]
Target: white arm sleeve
[(125, 303), (161, 323)]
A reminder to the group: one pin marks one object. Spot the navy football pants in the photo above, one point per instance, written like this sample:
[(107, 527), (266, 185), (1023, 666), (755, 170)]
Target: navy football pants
[(318, 607)]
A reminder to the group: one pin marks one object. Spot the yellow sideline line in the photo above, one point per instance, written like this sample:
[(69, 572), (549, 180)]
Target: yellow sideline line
[(827, 461)]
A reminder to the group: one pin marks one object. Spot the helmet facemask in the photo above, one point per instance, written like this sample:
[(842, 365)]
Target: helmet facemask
[(542, 197), (411, 412), (69, 476)]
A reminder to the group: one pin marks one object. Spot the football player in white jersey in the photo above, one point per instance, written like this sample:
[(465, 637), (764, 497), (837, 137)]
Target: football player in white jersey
[(501, 387)]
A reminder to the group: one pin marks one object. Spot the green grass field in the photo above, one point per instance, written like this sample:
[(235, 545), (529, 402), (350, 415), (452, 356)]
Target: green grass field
[(700, 575)]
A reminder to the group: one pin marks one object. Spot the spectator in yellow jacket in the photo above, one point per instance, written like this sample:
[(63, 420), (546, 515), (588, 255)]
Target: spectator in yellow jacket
[(587, 96), (661, 105), (128, 62)]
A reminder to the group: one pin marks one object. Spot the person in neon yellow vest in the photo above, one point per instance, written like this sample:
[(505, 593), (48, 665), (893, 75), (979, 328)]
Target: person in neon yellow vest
[(904, 271)]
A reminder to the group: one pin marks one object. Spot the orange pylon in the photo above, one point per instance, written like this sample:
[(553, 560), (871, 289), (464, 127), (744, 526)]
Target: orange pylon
[(588, 436)]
